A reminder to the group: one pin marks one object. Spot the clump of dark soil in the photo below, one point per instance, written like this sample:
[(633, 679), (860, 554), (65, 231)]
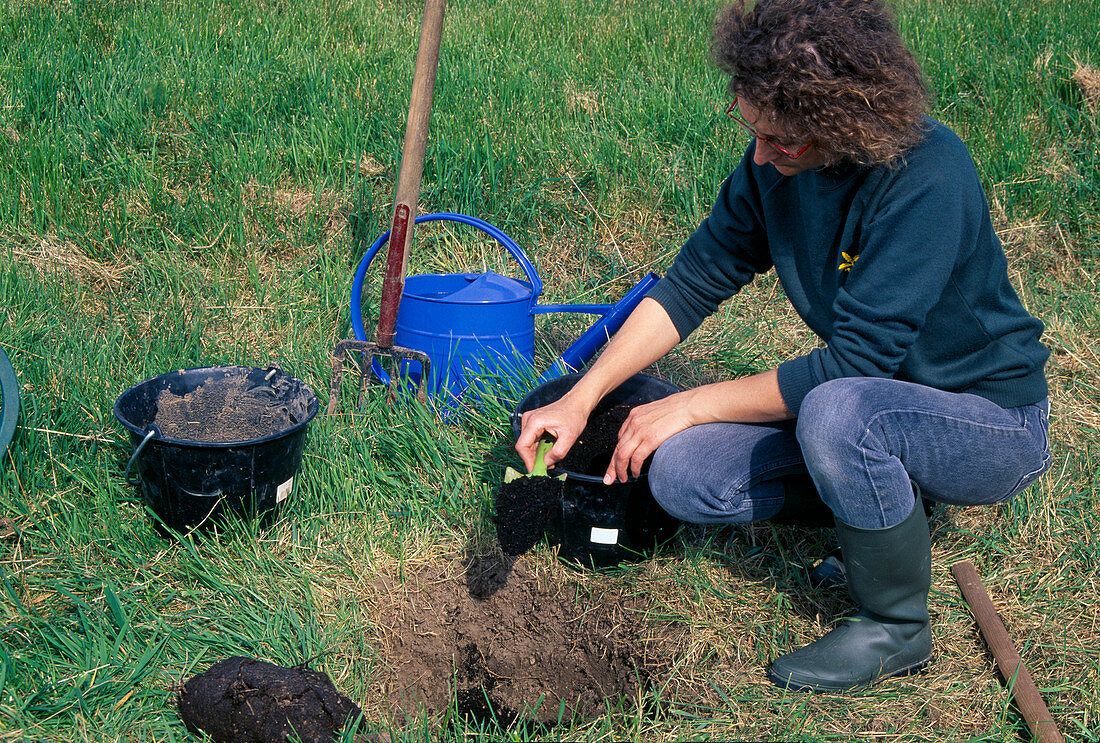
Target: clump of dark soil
[(244, 700), (523, 508), (591, 453), (521, 650), (229, 409), (486, 574)]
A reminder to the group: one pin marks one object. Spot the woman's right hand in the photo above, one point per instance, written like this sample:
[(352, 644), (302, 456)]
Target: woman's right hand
[(646, 336), (563, 419)]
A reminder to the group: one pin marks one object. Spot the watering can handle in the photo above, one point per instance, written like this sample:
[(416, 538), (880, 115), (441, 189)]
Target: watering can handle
[(507, 242), (9, 398)]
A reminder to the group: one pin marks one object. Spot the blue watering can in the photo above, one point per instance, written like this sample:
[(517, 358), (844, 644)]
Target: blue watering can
[(480, 326)]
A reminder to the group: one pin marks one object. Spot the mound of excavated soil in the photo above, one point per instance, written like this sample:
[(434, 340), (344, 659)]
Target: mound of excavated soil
[(229, 409), (244, 700), (505, 647)]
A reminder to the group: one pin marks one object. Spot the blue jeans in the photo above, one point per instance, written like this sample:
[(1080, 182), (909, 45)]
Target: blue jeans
[(871, 446)]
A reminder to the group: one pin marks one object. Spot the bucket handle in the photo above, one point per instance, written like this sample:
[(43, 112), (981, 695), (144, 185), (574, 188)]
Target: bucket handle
[(507, 242), (153, 431)]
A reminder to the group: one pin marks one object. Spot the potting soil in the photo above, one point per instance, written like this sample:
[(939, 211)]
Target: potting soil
[(592, 451), (527, 650), (229, 409), (522, 509), (245, 700)]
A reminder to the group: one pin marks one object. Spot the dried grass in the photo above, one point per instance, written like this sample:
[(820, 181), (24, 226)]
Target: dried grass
[(1042, 257), (628, 239), (1088, 80), (1055, 164), (370, 167), (52, 257), (581, 100), (284, 210)]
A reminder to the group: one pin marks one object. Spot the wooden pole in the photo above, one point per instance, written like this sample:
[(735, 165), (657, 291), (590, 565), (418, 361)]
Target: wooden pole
[(1021, 686), (402, 223)]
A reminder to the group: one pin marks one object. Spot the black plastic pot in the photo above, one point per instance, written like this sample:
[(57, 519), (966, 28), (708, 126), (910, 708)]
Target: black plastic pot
[(600, 525), (192, 485)]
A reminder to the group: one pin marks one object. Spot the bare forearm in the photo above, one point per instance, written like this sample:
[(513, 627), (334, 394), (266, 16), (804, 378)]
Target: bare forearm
[(754, 399), (646, 336)]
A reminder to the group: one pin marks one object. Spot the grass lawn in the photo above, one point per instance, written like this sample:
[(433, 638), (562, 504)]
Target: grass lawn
[(189, 184)]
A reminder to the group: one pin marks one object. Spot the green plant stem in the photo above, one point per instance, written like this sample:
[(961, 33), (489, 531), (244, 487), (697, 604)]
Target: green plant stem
[(545, 444)]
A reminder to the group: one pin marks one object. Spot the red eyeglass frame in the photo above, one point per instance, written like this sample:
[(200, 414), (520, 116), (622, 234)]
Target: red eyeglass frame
[(734, 113)]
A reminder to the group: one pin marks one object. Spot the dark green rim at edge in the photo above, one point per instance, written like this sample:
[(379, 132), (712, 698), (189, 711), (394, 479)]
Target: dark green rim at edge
[(9, 394)]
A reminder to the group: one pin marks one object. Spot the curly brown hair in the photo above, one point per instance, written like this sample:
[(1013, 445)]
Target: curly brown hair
[(836, 72)]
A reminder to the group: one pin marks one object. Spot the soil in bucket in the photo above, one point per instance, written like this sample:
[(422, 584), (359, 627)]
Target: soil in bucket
[(591, 453), (229, 409)]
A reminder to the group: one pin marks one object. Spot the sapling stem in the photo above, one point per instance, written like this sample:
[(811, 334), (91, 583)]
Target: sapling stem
[(545, 445), (539, 470)]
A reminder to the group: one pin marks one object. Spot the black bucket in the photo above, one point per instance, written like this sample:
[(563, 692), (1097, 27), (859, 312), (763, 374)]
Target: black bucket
[(600, 525), (193, 472)]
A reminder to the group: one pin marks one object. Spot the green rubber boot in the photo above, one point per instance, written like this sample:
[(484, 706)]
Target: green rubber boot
[(889, 575)]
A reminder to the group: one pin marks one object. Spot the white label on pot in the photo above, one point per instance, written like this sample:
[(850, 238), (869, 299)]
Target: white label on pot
[(604, 536), (284, 490)]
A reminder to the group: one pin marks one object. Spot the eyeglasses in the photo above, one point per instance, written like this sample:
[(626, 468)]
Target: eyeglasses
[(734, 113)]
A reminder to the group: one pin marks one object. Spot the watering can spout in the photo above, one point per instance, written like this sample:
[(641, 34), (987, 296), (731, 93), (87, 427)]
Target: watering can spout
[(581, 351)]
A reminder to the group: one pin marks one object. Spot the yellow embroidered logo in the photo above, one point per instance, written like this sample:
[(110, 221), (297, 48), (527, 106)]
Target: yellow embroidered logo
[(848, 262)]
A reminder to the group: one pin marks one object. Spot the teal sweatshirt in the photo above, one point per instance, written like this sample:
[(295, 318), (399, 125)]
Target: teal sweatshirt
[(898, 270)]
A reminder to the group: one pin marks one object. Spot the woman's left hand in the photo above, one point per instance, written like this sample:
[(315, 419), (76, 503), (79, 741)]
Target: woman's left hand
[(647, 427), (754, 399)]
